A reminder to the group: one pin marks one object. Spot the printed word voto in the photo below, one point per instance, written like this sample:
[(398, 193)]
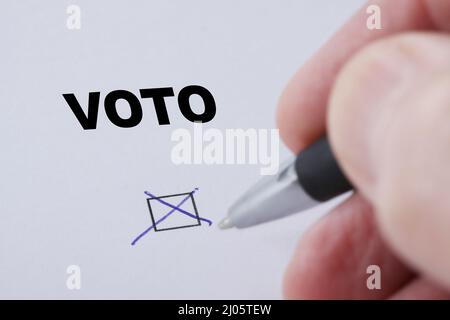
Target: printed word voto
[(89, 120)]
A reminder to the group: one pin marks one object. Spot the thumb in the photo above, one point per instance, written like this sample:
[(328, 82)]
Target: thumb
[(389, 125)]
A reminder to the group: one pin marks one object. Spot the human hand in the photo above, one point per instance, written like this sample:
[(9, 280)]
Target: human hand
[(386, 110)]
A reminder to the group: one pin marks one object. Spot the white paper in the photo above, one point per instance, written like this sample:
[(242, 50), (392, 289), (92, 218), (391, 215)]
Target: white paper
[(70, 196)]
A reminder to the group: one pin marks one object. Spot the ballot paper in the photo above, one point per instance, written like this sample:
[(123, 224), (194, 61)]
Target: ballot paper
[(112, 211)]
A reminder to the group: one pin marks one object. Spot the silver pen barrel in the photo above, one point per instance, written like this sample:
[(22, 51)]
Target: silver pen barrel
[(271, 198)]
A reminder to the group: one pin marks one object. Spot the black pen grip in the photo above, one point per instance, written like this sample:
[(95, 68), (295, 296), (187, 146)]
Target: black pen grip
[(318, 172)]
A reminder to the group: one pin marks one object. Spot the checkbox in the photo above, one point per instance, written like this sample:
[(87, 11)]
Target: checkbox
[(167, 213)]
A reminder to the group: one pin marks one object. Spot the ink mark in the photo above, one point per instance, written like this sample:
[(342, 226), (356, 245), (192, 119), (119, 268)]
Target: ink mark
[(189, 195)]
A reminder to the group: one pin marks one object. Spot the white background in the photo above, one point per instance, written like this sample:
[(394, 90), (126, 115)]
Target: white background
[(69, 196)]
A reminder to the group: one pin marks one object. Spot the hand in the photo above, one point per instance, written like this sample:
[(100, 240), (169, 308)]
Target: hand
[(383, 97)]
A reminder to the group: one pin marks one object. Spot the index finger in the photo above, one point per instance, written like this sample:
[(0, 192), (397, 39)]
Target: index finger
[(303, 104)]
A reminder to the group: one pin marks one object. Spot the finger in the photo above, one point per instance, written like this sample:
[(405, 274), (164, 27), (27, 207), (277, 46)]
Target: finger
[(332, 258), (421, 289), (389, 127), (302, 106)]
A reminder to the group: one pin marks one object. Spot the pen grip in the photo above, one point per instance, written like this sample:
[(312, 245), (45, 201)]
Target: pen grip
[(319, 173)]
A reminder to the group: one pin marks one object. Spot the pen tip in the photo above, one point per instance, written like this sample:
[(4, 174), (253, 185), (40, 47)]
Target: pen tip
[(225, 224)]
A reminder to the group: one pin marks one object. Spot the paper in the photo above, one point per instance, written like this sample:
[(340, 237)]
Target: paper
[(74, 200)]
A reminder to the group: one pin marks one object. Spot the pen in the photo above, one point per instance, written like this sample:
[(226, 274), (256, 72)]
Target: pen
[(312, 177)]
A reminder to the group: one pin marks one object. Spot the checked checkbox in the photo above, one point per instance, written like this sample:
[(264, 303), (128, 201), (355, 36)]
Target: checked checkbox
[(177, 220), (183, 213)]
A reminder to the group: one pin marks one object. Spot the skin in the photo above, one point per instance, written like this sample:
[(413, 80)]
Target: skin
[(383, 98)]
